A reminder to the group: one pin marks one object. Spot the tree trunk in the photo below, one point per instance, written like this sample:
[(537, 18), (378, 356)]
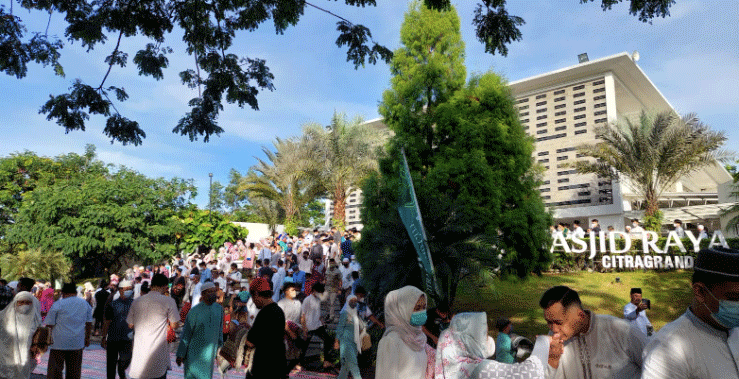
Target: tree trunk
[(652, 204), (340, 203)]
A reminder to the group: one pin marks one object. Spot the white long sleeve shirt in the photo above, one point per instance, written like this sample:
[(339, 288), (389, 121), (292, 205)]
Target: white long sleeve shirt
[(611, 348), (395, 360), (689, 348), (639, 319)]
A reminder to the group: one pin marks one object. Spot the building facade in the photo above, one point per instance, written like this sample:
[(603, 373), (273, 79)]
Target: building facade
[(560, 109)]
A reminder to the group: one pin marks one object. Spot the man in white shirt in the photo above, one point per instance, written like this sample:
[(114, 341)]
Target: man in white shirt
[(292, 309), (703, 342), (149, 317), (636, 312), (220, 280), (636, 229), (304, 262), (354, 265), (234, 279), (593, 346), (70, 320), (679, 228), (346, 279), (310, 320), (578, 231), (702, 232)]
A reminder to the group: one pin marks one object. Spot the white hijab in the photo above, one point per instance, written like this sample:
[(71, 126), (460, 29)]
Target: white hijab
[(399, 306), (351, 315), (464, 347), (16, 335)]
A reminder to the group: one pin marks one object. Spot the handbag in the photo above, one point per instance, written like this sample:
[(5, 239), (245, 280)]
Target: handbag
[(228, 352), (171, 335), (366, 341), (178, 289), (40, 341), (185, 309)]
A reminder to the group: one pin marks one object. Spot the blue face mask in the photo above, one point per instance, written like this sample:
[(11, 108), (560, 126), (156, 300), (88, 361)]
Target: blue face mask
[(418, 318), (128, 294), (728, 313)]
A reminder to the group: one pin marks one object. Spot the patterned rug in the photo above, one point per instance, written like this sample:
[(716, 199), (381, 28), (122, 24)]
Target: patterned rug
[(93, 367)]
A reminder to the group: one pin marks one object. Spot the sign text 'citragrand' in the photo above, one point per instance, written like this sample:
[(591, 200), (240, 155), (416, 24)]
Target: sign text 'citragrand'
[(606, 243)]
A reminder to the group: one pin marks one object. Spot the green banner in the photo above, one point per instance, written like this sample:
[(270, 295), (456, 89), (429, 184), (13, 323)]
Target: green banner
[(411, 216)]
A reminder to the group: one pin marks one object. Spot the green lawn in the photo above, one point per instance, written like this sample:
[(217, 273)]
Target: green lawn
[(518, 300)]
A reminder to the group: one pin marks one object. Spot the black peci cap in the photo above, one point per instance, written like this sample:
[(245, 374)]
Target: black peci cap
[(718, 261)]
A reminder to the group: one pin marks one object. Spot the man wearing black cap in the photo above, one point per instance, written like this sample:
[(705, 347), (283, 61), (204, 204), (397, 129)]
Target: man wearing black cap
[(71, 321), (636, 312), (703, 342)]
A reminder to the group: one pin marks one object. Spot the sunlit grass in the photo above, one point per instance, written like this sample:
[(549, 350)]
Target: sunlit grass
[(518, 300)]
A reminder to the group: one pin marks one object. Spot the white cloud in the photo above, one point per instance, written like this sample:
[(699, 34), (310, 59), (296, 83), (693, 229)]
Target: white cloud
[(149, 167)]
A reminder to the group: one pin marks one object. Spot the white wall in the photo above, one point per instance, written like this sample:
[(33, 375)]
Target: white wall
[(258, 231)]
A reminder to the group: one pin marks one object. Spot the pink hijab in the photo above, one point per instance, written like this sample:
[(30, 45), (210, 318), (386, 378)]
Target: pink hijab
[(46, 300), (399, 306)]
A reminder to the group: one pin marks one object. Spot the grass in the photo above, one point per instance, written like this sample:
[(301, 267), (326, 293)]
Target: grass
[(518, 300)]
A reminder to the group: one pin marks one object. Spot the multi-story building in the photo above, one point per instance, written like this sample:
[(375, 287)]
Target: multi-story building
[(560, 110)]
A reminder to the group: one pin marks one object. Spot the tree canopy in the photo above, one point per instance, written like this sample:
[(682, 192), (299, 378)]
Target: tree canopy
[(208, 28), (470, 161), (97, 216), (339, 156)]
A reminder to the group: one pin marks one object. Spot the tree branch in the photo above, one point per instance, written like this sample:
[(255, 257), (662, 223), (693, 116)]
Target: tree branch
[(329, 12), (112, 61)]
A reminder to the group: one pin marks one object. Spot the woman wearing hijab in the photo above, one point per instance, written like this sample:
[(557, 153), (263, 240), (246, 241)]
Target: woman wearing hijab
[(46, 300), (464, 349), (401, 353), (19, 321), (349, 333)]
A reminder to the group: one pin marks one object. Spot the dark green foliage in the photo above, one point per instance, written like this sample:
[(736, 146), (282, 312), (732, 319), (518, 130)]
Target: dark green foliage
[(96, 217), (16, 54), (203, 228), (470, 161), (645, 9), (208, 29), (496, 29)]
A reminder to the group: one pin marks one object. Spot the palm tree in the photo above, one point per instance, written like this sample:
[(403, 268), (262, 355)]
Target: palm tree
[(653, 152), (268, 211), (282, 179), (342, 155)]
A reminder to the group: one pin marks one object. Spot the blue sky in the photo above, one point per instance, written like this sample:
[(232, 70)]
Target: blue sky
[(692, 57)]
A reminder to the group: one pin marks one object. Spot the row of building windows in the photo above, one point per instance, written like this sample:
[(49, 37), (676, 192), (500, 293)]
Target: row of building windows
[(563, 112), (572, 186), (553, 136), (569, 202)]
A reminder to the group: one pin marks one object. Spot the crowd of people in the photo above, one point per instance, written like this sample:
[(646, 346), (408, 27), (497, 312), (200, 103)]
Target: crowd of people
[(257, 311), (635, 229)]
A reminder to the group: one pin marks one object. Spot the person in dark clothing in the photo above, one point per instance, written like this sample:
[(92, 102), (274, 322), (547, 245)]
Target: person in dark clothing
[(266, 271), (316, 251), (101, 297), (267, 334), (437, 319), (346, 247), (178, 287), (116, 340)]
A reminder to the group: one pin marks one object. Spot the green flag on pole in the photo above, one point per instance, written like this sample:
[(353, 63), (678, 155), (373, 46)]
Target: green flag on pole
[(411, 216)]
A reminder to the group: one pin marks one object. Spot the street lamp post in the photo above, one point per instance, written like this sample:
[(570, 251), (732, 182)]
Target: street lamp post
[(210, 198)]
